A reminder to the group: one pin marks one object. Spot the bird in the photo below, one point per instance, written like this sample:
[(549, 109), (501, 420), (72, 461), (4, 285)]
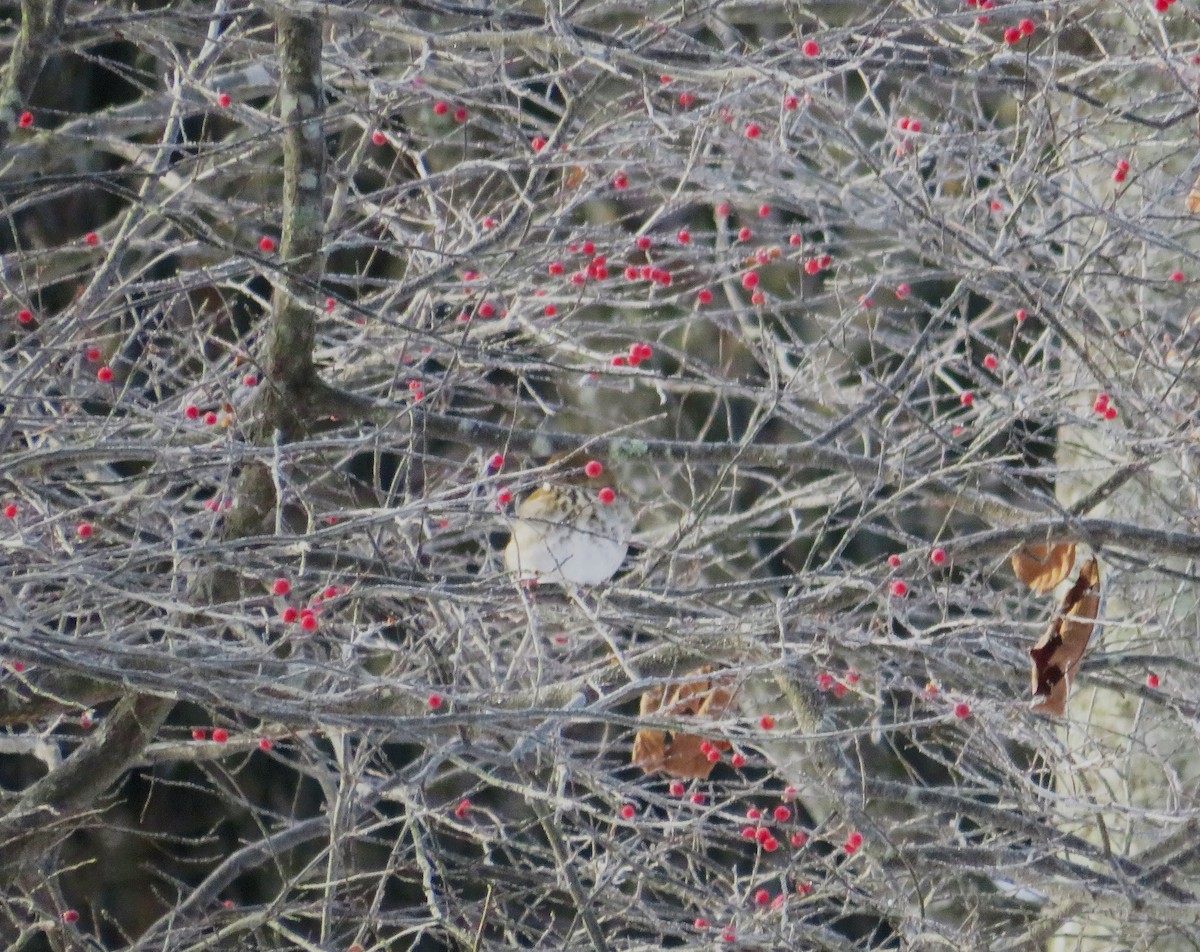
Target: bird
[(574, 529)]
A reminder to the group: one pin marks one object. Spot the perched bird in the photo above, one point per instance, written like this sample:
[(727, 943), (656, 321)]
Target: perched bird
[(572, 530)]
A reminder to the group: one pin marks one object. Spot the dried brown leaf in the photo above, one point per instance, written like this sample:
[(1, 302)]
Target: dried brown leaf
[(681, 756), (574, 177), (1058, 653), (1042, 566), (1193, 199), (650, 746)]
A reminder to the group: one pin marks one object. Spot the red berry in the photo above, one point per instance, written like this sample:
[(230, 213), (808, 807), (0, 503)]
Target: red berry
[(991, 362), (643, 242), (266, 244), (893, 561), (966, 398), (743, 234), (104, 374), (903, 291), (810, 48), (210, 418), (762, 897), (1026, 27), (434, 701), (220, 735), (737, 761), (84, 530), (676, 788), (440, 108), (1020, 315), (1176, 276), (782, 814), (554, 267), (627, 811), (1012, 35), (463, 808), (704, 296), (790, 102), (92, 354), (854, 840), (700, 922), (24, 316), (962, 710), (10, 511), (588, 248), (937, 556), (754, 813), (537, 143), (70, 916), (764, 211), (1152, 680), (753, 131), (1110, 412), (91, 239), (550, 310), (486, 310), (281, 586), (308, 620), (606, 496), (593, 468), (378, 138), (289, 615), (766, 722), (223, 100), (899, 588), (620, 181), (503, 497), (26, 120), (824, 681), (686, 99), (749, 280), (723, 210), (460, 114), (684, 237)]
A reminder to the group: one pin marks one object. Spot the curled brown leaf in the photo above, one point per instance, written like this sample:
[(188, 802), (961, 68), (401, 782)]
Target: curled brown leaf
[(1041, 566), (1193, 199), (1059, 651), (682, 756)]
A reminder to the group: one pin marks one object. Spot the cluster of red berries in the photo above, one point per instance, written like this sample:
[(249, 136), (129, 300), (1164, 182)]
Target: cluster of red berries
[(1014, 34), (638, 352)]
